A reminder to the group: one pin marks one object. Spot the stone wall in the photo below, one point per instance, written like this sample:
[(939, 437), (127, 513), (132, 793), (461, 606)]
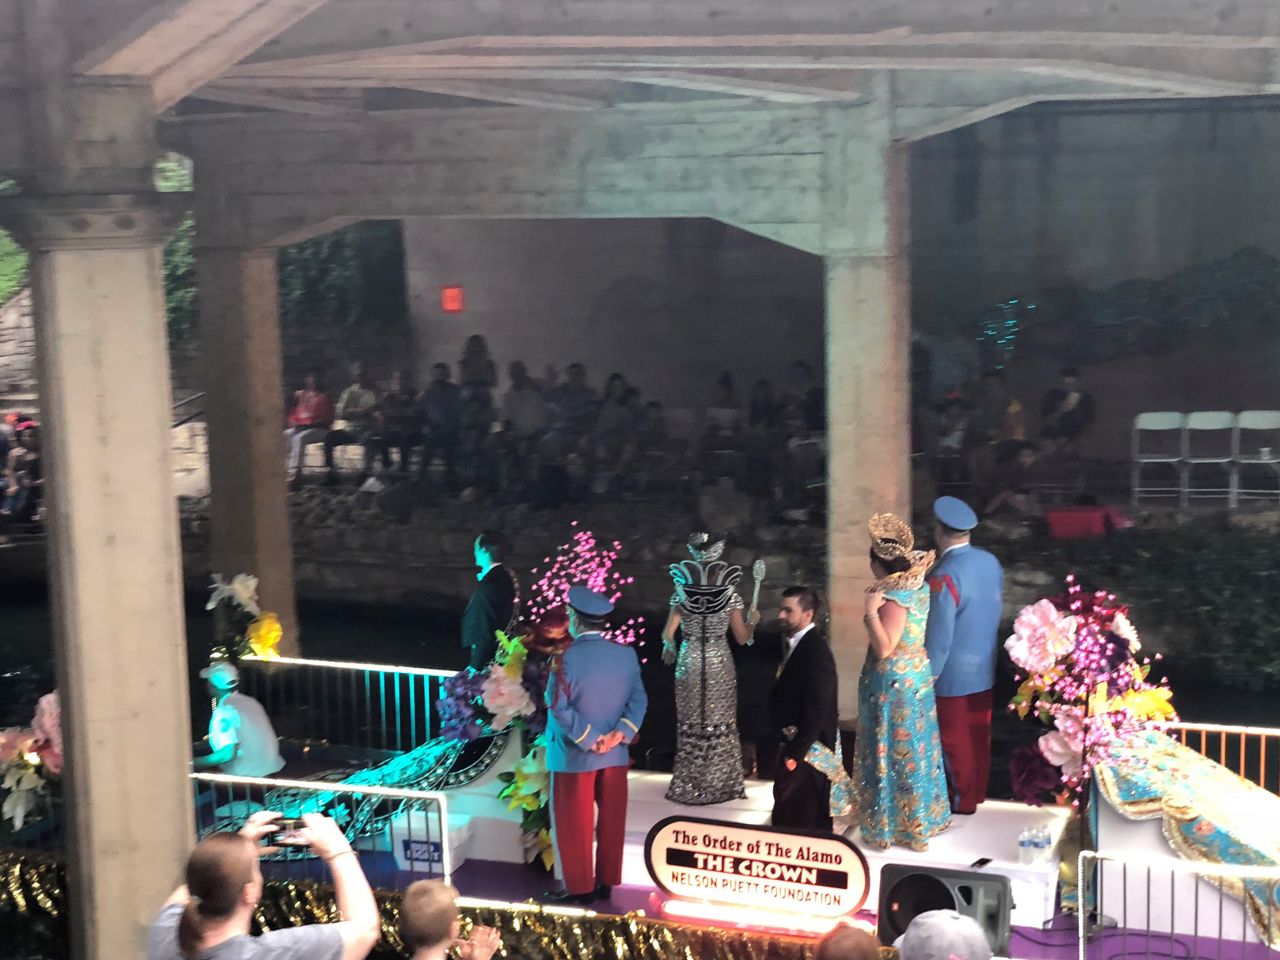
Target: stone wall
[(17, 345), (669, 303)]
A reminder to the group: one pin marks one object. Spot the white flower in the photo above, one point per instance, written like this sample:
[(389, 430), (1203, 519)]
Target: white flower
[(242, 591), (23, 785), (1125, 630), (1055, 748), (1041, 637)]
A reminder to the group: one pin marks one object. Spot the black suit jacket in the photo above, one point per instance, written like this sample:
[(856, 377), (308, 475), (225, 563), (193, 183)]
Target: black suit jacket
[(490, 608), (804, 696)]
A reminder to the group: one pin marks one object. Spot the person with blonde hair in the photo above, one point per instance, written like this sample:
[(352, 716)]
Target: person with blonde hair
[(209, 916), (430, 925)]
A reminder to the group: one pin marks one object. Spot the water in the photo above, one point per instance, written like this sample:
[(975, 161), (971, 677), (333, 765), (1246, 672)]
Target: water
[(332, 631)]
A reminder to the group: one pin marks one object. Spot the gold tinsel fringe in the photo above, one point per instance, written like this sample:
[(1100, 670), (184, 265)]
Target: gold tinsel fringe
[(35, 884)]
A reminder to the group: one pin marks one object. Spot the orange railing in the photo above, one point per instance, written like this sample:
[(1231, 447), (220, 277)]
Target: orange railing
[(1251, 752)]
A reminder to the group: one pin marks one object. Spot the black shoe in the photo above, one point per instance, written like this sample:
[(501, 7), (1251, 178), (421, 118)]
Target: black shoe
[(603, 891), (564, 898)]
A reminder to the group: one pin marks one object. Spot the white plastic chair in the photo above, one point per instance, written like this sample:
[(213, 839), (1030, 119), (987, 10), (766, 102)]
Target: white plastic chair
[(1257, 444), (1149, 428), (1208, 440)]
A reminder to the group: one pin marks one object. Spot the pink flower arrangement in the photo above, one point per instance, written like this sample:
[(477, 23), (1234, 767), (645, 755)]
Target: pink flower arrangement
[(1079, 677), (47, 727), (505, 697)]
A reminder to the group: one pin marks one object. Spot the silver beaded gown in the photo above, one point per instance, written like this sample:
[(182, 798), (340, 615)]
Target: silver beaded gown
[(708, 766)]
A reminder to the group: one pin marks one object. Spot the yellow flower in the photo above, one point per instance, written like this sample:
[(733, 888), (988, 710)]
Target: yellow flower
[(1149, 704), (511, 654), (264, 635), (1098, 700), (547, 851)]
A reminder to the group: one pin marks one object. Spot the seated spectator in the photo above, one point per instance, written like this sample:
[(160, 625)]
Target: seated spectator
[(399, 423), (616, 422), (996, 428), (24, 476), (1015, 475), (724, 416), (812, 397), (430, 927), (309, 421), (210, 915), (576, 403), (951, 443), (524, 409), (844, 942), (943, 935), (1068, 413), (762, 411), (440, 412), (241, 741), (355, 419)]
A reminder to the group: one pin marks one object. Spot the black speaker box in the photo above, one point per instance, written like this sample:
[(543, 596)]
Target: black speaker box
[(907, 891)]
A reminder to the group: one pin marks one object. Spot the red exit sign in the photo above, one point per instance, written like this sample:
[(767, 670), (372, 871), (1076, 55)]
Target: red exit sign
[(452, 300)]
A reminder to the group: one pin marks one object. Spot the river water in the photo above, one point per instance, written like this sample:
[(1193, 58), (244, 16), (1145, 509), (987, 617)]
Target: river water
[(404, 636)]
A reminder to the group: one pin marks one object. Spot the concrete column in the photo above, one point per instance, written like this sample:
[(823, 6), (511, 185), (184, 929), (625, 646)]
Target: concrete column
[(115, 564), (240, 343), (868, 331)]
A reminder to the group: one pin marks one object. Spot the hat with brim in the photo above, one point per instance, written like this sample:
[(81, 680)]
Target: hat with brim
[(955, 513), (589, 603), (222, 675)]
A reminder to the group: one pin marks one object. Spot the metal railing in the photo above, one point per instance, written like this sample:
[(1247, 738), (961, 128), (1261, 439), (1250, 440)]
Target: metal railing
[(1134, 907), (369, 706), (401, 835), (180, 420), (1251, 752)]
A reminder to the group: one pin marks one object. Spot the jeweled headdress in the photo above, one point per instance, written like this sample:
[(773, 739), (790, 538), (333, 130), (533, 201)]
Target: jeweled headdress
[(704, 585), (704, 548), (892, 539)]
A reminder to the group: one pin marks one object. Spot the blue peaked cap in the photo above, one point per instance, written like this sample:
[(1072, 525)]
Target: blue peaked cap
[(955, 513), (589, 603)]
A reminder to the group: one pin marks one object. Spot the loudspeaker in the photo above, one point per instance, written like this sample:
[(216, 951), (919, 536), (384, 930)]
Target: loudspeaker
[(908, 891)]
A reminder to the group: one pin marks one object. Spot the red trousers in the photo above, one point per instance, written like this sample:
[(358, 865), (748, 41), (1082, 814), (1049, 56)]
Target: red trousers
[(575, 798), (964, 724)]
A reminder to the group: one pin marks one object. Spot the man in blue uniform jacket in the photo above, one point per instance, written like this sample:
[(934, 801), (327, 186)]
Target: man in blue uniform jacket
[(596, 703), (966, 596)]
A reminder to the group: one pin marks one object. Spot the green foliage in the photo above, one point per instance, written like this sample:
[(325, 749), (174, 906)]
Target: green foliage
[(353, 276), (1204, 593), (13, 267)]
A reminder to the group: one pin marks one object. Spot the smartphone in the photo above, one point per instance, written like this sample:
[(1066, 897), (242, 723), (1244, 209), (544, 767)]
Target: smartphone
[(980, 863), (288, 833)]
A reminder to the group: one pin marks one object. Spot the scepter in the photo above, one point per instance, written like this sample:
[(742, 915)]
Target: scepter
[(757, 576)]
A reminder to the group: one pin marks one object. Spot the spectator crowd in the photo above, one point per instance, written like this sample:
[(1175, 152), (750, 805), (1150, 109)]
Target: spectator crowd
[(555, 438), (981, 441)]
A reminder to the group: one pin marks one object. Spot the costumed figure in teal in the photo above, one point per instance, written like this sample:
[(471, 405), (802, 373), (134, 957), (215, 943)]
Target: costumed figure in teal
[(898, 791)]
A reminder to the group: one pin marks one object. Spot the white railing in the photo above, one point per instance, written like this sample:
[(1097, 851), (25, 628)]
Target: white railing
[(1147, 907), (1251, 752), (401, 835), (370, 706)]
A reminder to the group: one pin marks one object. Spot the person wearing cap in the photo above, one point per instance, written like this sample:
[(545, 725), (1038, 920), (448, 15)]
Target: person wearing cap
[(242, 741), (943, 935), (966, 597), (596, 703)]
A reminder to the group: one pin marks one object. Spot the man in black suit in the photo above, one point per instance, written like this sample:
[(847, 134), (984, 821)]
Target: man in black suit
[(802, 706), (492, 606)]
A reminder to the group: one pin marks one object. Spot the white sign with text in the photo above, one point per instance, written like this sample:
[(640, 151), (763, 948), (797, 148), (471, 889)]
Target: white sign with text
[(732, 863)]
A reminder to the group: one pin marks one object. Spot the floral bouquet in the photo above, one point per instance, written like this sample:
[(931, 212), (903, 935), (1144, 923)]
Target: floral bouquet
[(1080, 676), (242, 627), (31, 762), (481, 703)]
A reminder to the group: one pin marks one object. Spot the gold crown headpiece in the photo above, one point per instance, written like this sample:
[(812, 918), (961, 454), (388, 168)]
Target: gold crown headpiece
[(891, 536)]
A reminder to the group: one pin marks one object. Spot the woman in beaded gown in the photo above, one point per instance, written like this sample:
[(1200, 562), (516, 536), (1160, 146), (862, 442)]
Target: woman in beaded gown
[(705, 608), (898, 791)]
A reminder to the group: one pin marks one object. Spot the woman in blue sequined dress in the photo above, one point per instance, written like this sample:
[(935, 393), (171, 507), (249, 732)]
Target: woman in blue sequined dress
[(899, 788)]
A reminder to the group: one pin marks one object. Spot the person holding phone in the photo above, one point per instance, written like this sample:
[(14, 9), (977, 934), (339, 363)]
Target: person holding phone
[(210, 915)]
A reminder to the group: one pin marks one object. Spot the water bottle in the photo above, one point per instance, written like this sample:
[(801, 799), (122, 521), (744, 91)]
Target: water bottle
[(1043, 846), (1025, 847)]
